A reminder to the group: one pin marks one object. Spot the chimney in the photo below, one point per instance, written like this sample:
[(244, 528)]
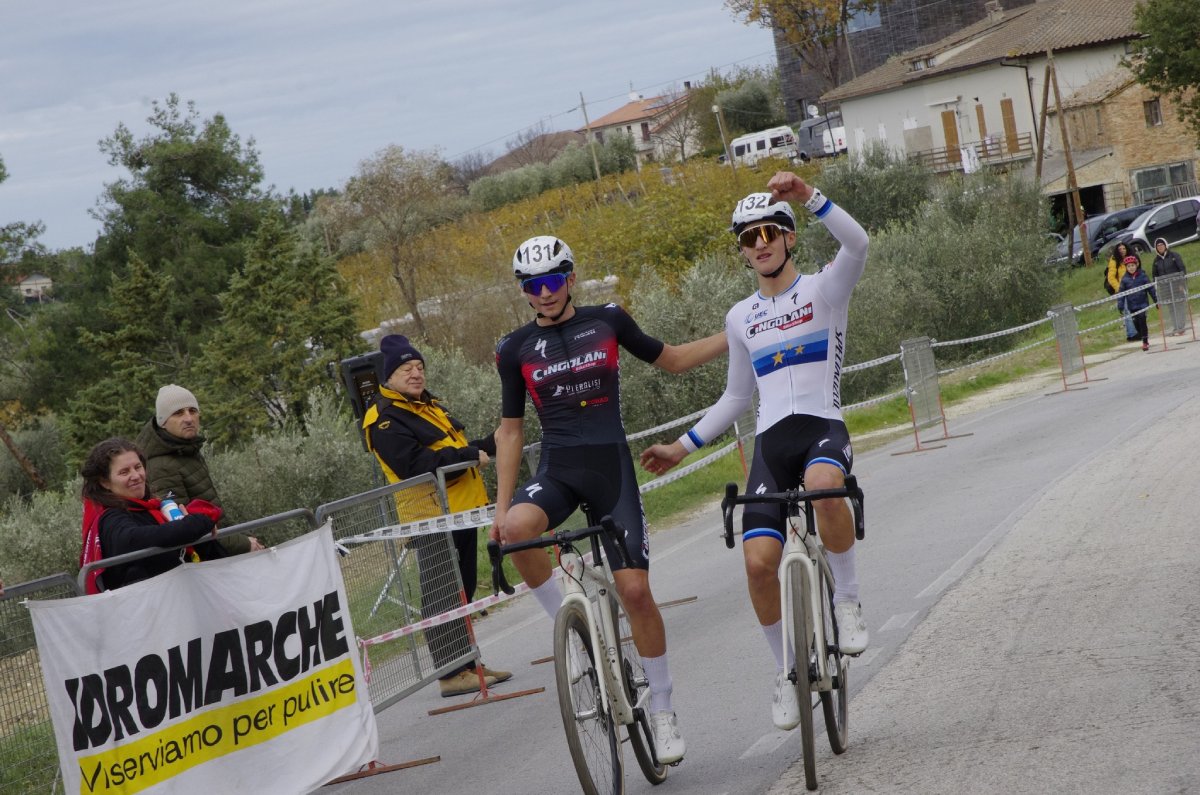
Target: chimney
[(994, 11), (687, 85)]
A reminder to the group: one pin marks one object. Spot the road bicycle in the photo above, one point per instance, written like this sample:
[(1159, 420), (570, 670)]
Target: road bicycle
[(601, 684), (810, 631)]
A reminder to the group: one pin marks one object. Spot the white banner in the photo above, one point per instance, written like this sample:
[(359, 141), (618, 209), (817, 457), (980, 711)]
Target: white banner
[(235, 675)]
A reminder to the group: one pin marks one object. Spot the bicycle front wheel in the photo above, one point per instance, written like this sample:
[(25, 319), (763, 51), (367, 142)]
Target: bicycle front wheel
[(803, 650), (641, 736), (591, 733), (835, 702)]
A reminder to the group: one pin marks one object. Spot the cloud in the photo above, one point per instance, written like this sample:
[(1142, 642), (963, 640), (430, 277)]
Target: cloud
[(321, 86)]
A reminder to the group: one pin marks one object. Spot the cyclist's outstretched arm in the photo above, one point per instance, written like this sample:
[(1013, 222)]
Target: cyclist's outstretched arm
[(681, 358), (739, 389)]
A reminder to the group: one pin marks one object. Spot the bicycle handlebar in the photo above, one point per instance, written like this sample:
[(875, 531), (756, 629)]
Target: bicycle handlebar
[(560, 538), (794, 497)]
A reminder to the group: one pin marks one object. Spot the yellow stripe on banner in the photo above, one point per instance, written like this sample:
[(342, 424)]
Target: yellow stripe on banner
[(132, 767)]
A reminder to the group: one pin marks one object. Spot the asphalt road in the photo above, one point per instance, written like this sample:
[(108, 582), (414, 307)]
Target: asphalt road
[(1031, 594)]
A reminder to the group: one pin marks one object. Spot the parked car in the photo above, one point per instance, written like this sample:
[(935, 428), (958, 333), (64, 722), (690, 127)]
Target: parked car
[(1174, 221), (1101, 229)]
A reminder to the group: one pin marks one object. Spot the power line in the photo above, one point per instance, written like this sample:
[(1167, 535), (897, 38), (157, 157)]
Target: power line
[(648, 87)]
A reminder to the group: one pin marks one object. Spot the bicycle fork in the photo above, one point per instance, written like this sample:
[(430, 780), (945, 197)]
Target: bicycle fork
[(804, 567)]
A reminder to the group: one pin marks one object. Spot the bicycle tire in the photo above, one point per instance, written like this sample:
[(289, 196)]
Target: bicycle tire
[(802, 648), (641, 737), (591, 733), (835, 703)]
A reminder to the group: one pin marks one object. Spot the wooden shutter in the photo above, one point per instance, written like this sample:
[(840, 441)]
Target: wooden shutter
[(950, 131), (1010, 125)]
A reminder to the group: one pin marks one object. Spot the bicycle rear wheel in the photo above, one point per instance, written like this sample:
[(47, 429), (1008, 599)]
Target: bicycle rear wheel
[(836, 702), (591, 733), (641, 737), (802, 648)]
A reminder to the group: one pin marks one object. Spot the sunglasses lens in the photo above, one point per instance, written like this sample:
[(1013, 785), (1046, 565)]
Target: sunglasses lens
[(768, 232), (553, 281)]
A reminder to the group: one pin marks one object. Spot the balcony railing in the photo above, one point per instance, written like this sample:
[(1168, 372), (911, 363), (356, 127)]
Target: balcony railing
[(1166, 193), (991, 151)]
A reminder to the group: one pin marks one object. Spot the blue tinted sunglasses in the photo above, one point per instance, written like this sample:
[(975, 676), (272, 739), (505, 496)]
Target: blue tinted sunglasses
[(534, 285)]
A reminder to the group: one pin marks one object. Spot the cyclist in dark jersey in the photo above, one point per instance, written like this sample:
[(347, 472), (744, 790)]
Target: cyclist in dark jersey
[(567, 362)]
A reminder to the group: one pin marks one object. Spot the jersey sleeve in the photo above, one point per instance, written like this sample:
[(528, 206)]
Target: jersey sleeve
[(512, 382), (739, 391), (631, 337), (837, 279)]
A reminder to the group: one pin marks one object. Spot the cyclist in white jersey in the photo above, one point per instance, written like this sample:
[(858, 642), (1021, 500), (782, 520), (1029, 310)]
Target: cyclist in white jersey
[(788, 340)]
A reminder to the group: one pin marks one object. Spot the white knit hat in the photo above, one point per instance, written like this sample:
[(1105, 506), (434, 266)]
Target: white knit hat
[(172, 398)]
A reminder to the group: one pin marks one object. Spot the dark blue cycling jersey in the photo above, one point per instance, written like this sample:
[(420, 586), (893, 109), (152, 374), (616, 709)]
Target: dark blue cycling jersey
[(570, 371)]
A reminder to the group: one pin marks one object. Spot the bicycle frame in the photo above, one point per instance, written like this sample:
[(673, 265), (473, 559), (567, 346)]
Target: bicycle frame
[(804, 554), (602, 627)]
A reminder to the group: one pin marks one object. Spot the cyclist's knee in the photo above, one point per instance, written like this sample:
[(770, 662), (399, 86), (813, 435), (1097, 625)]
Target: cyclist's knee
[(635, 593), (762, 559), (823, 476)]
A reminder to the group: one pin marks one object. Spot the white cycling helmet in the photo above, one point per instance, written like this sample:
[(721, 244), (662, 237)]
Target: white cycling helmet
[(540, 255), (762, 207)]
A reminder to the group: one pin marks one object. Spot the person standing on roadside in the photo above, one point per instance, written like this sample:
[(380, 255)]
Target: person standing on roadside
[(1116, 269), (1137, 303), (567, 361), (411, 433), (1169, 263), (175, 465), (786, 341)]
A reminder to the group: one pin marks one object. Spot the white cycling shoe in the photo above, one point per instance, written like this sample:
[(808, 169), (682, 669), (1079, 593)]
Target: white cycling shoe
[(785, 708), (852, 629), (668, 743)]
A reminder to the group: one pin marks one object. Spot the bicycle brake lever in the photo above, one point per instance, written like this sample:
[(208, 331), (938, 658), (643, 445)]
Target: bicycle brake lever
[(499, 581)]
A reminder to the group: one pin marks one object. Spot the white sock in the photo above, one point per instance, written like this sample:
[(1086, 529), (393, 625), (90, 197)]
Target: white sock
[(658, 675), (774, 635), (549, 596), (845, 576)]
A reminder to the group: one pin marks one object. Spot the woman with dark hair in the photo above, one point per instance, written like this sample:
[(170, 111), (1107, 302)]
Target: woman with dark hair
[(120, 515), (1116, 269)]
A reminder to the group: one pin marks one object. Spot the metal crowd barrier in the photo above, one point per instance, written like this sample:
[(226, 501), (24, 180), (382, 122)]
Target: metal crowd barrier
[(270, 530), (401, 579), (28, 753)]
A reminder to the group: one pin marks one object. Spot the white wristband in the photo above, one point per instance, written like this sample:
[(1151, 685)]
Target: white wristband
[(816, 201)]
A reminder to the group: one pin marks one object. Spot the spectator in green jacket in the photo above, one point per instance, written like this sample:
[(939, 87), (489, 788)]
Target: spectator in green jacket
[(171, 441)]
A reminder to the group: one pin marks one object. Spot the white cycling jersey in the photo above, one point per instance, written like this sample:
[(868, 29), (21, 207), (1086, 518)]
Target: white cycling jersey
[(790, 345)]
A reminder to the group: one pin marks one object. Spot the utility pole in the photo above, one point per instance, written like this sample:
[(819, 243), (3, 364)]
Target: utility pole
[(587, 125), (1072, 186), (721, 128)]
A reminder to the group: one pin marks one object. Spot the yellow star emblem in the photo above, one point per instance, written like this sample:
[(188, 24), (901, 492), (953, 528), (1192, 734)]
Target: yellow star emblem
[(799, 349), (778, 358)]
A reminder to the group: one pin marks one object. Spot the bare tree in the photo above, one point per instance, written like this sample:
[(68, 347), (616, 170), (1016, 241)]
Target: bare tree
[(533, 145), (680, 128), (395, 197), (469, 168)]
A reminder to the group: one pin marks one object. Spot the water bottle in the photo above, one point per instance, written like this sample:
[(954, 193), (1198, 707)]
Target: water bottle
[(170, 509)]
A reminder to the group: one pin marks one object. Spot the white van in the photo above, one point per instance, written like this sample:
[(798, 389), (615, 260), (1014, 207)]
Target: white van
[(776, 142)]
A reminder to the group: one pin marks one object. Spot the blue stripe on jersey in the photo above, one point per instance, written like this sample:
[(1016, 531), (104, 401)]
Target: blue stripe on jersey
[(825, 208), (696, 440), (799, 350), (763, 532)]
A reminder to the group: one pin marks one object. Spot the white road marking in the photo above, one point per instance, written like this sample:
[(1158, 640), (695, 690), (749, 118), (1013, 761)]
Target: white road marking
[(898, 621), (767, 744)]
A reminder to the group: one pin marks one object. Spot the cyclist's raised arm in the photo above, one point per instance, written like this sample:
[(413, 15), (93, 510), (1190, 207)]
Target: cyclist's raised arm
[(681, 358)]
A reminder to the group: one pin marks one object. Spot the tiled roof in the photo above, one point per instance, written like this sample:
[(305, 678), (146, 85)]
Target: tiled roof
[(637, 111), (1100, 89), (1022, 32)]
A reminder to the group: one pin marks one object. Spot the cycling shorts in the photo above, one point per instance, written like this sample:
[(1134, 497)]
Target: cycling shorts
[(782, 453), (600, 475)]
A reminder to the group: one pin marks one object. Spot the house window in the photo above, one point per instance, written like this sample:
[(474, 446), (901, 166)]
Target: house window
[(1153, 113), (1162, 183), (599, 136), (645, 131)]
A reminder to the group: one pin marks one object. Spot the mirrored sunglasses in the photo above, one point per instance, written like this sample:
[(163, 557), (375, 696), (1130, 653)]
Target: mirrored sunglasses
[(768, 232), (534, 285)]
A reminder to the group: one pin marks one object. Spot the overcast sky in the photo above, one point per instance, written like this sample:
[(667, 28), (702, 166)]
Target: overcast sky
[(321, 86)]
